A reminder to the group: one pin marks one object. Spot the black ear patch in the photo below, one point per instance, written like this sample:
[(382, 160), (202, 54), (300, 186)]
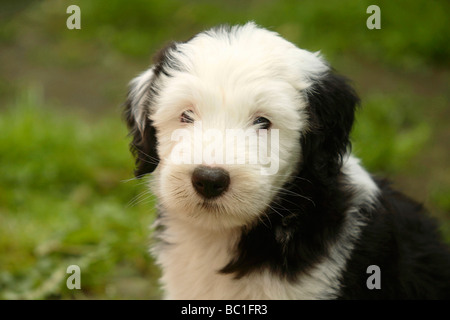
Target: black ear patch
[(143, 145), (331, 105), (142, 92)]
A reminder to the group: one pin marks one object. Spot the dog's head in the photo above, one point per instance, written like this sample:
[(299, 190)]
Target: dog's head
[(227, 118)]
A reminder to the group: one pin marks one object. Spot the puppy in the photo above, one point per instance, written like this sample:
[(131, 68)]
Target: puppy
[(306, 222)]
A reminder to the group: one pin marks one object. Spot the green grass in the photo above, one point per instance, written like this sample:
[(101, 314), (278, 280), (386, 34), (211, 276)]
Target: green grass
[(65, 200), (412, 35), (389, 131)]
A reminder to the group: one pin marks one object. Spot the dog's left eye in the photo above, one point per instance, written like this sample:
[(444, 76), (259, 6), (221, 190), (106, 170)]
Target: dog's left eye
[(187, 116), (262, 122)]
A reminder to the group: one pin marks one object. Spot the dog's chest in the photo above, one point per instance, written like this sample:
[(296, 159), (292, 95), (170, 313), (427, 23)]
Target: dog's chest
[(191, 264)]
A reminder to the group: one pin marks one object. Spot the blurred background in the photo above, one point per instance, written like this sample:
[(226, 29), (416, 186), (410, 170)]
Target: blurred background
[(67, 193)]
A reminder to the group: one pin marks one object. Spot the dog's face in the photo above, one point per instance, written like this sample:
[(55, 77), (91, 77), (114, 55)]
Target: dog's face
[(227, 118)]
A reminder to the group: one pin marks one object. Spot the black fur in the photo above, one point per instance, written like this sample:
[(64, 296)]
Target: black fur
[(405, 243), (143, 148), (144, 143), (331, 108)]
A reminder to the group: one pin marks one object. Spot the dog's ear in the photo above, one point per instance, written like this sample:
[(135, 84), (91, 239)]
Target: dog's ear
[(331, 108), (136, 114), (137, 108)]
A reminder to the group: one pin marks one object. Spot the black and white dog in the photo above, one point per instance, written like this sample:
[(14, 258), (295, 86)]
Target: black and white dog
[(310, 223)]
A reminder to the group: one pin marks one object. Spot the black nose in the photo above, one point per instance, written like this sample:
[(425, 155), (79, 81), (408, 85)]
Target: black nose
[(210, 182)]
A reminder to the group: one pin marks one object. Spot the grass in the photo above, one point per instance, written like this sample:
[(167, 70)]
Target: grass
[(389, 132), (66, 199), (66, 190)]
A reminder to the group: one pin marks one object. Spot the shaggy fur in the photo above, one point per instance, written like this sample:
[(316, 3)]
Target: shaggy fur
[(311, 230)]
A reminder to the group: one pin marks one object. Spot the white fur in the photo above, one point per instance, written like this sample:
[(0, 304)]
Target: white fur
[(139, 86), (227, 79)]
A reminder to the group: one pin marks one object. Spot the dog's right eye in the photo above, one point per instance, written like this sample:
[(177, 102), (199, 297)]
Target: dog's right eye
[(262, 122), (187, 116)]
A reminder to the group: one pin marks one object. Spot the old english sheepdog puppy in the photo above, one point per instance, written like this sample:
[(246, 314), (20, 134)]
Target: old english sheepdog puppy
[(247, 137)]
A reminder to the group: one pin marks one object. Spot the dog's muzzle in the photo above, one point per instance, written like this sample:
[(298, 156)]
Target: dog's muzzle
[(210, 182)]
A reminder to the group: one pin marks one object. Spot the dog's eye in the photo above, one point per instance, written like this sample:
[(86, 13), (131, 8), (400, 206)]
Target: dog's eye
[(187, 116), (262, 122)]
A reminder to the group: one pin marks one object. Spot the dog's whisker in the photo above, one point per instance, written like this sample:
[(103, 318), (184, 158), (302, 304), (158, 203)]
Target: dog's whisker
[(279, 201), (143, 196), (266, 215), (290, 192), (175, 177), (152, 158), (138, 182), (279, 205), (129, 180), (290, 176), (271, 207)]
